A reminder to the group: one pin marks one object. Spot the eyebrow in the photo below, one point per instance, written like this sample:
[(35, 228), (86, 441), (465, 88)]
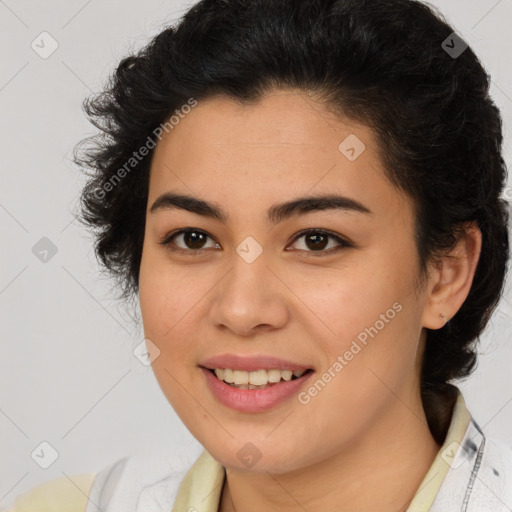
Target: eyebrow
[(276, 213)]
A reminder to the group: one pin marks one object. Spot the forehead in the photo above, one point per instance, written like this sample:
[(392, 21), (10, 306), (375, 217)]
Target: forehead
[(285, 144), (286, 119)]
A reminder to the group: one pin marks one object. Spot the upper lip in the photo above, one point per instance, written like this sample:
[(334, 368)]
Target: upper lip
[(251, 363)]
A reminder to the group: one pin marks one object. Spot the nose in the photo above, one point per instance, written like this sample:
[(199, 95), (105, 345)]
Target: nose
[(250, 299)]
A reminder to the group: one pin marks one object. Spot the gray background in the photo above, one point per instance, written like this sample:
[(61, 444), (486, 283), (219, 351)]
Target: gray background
[(68, 374)]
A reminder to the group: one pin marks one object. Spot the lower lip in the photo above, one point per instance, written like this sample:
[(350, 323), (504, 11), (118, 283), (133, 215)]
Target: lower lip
[(253, 400)]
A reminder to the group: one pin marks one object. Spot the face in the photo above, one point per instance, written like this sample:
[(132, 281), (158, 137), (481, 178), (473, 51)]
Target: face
[(331, 287)]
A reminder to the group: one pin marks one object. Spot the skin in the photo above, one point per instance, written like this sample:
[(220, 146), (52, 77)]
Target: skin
[(332, 453)]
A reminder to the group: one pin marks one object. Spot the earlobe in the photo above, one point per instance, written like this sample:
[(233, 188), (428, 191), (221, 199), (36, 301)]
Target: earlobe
[(450, 282)]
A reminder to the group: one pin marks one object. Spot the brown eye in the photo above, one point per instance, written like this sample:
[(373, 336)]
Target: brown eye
[(191, 241), (316, 241), (194, 239)]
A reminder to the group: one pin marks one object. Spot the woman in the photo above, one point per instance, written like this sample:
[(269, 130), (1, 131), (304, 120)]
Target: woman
[(306, 198)]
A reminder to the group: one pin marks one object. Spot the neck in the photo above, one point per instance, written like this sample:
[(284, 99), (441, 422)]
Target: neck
[(382, 470)]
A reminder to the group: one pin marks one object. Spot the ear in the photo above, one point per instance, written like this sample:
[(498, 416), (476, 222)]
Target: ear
[(450, 280)]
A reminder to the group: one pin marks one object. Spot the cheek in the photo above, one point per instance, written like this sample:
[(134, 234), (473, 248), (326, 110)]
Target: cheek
[(367, 313), (172, 303), (366, 367), (168, 294), (165, 299), (346, 300)]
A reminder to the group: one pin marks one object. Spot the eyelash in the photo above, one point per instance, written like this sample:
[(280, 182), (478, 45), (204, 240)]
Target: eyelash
[(166, 242)]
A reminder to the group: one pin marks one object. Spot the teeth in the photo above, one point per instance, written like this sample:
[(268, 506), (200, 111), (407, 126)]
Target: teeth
[(255, 379), (274, 375), (241, 377), (286, 375), (227, 375)]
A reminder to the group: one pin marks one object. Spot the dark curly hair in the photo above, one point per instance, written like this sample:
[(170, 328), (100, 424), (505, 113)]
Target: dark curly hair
[(385, 63)]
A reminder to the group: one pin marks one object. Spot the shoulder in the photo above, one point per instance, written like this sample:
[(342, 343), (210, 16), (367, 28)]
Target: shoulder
[(136, 482), (498, 457), (491, 483), (58, 495), (147, 482)]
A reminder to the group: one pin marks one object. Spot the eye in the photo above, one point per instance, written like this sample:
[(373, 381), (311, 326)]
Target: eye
[(316, 241), (193, 240)]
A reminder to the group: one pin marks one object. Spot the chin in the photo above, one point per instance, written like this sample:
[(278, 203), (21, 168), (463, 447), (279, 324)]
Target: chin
[(248, 458)]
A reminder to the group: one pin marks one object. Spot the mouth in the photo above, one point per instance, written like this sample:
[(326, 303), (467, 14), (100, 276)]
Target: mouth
[(257, 379)]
